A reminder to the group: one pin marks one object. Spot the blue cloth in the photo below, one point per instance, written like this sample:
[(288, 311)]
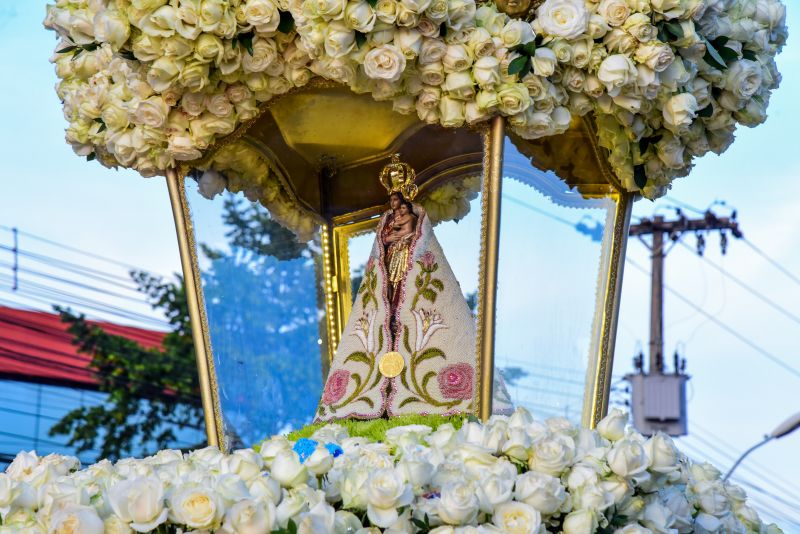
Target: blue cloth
[(305, 447)]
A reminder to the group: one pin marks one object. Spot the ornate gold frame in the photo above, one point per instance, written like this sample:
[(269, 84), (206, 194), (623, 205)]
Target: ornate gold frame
[(338, 298)]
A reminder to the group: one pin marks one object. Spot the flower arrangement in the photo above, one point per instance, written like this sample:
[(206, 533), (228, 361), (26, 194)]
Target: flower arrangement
[(513, 474), (148, 83)]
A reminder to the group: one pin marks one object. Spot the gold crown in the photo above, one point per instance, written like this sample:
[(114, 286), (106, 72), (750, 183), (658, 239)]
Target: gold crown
[(398, 177)]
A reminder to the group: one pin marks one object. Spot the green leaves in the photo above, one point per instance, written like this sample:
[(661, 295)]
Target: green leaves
[(358, 357), (426, 379), (246, 40), (424, 525), (286, 24), (77, 49), (405, 339), (720, 56), (428, 354), (102, 124), (91, 157), (674, 29), (429, 295), (529, 48), (291, 528), (749, 54), (639, 176), (521, 65), (361, 38), (408, 401), (706, 112), (367, 401), (127, 54)]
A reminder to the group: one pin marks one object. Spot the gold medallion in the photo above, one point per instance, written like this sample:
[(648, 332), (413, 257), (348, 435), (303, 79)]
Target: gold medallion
[(391, 364)]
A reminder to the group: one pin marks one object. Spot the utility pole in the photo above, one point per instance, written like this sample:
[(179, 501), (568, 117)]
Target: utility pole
[(659, 399)]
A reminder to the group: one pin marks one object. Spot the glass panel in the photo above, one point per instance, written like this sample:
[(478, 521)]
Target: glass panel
[(553, 247), (266, 319)]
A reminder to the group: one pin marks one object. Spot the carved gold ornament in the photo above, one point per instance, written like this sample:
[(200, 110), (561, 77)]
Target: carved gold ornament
[(398, 177)]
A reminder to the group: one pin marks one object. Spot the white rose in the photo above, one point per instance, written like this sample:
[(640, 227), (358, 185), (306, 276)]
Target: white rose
[(151, 112), (544, 61), (517, 518), (743, 78), (407, 18), (615, 12), (754, 113), (359, 16), (458, 504), (459, 85), (409, 42), (633, 529), (573, 79), (432, 74), (194, 75), (160, 23), (627, 458), (473, 113), (249, 517), (415, 6), (320, 461), (353, 488), (563, 18), (437, 11), (670, 152), (552, 454), (76, 519), (490, 19), (657, 517), (544, 492), (676, 75), (112, 27), (493, 491), (640, 26), (386, 491), (265, 488), (598, 27), (457, 58), (386, 11), (195, 506), (163, 73), (287, 469), (580, 522), (662, 452), (771, 14), (139, 501), (265, 52), (329, 9), (562, 49), (656, 55), (582, 52), (619, 41), (486, 71), (22, 465), (263, 14), (462, 14), (114, 525), (431, 51), (385, 62), (445, 438), (292, 504), (516, 32), (339, 39), (671, 9), (616, 72), (451, 112), (707, 524), (513, 98), (612, 426)]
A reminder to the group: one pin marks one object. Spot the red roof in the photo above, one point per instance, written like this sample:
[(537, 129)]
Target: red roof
[(36, 347)]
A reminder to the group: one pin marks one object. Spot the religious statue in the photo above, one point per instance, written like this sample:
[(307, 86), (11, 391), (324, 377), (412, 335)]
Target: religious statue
[(409, 344)]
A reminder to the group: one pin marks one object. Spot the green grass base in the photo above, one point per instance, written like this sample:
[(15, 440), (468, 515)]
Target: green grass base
[(375, 429)]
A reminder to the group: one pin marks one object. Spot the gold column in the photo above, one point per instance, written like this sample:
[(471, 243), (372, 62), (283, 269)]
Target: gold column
[(490, 245), (597, 397), (194, 301)]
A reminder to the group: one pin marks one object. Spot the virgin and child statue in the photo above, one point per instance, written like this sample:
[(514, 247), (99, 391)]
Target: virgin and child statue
[(409, 344)]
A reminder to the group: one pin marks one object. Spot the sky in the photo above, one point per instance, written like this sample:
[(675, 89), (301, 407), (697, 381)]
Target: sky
[(736, 393)]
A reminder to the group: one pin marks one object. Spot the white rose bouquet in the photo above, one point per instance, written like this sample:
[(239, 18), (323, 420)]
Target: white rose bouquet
[(513, 474)]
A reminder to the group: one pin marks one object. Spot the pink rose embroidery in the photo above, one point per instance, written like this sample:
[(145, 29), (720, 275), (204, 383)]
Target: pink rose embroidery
[(335, 387), (455, 381), (427, 260)]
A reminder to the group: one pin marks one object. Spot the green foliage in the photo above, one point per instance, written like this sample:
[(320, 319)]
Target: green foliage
[(151, 392), (375, 429)]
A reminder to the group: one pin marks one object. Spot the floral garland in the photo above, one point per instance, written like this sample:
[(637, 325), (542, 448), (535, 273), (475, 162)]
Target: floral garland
[(513, 474), (148, 83)]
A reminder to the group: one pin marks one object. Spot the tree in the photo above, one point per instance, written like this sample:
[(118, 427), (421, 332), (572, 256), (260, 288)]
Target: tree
[(262, 301), (152, 393)]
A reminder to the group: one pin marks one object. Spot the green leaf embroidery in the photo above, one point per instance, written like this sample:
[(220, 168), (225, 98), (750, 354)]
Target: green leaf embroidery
[(380, 339), (358, 357), (428, 354), (366, 400), (418, 282), (405, 339), (403, 379), (357, 380), (428, 294), (438, 284), (426, 379), (409, 400)]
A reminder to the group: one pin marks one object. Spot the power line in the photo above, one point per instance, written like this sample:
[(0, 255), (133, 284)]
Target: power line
[(773, 262), (66, 265), (774, 359), (71, 248), (748, 288)]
